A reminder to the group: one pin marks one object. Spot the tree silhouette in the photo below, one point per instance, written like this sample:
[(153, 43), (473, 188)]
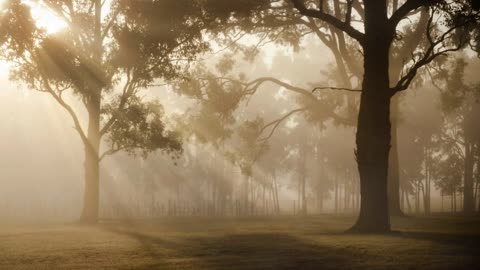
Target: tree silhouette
[(271, 24), (449, 27), (374, 126)]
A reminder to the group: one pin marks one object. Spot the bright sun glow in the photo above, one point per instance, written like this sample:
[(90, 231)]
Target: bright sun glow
[(45, 18)]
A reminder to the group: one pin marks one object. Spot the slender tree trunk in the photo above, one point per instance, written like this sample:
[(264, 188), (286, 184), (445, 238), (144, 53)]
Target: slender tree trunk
[(320, 202), (358, 196), (264, 198), (468, 197), (402, 200), (477, 186), (345, 193), (336, 190), (426, 195), (407, 199), (442, 197), (246, 195), (454, 201), (303, 180), (275, 191), (417, 197), (452, 209)]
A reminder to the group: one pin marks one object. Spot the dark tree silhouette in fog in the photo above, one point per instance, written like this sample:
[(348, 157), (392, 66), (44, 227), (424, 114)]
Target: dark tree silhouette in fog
[(374, 127), (447, 27)]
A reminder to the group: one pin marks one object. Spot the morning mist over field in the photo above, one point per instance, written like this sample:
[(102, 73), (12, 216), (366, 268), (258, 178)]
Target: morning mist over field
[(249, 134)]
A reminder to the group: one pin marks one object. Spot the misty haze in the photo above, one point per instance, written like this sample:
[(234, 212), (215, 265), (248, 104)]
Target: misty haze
[(239, 134)]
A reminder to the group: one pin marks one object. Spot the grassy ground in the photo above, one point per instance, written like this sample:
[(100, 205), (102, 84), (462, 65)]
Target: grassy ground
[(268, 243)]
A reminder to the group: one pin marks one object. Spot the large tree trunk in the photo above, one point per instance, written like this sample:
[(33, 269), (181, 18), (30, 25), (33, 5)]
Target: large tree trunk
[(373, 143), (91, 199), (374, 127)]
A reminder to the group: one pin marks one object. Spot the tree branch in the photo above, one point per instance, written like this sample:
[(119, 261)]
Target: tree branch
[(127, 91), (336, 88), (405, 9), (277, 123), (431, 53), (110, 152), (68, 108), (253, 86), (319, 14)]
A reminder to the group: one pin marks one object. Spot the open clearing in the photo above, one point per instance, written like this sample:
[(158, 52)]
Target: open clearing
[(258, 243)]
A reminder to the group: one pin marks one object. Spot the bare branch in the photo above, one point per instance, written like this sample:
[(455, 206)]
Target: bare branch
[(277, 123)]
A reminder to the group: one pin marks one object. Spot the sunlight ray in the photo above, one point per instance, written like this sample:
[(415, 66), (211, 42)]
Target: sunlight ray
[(45, 18)]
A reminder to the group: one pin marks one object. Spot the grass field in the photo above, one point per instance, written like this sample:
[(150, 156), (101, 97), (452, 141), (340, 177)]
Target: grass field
[(261, 243)]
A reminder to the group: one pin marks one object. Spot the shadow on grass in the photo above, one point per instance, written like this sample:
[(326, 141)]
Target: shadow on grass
[(468, 241), (311, 249), (239, 251)]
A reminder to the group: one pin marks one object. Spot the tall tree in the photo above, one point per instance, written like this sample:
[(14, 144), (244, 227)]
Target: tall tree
[(374, 126), (99, 63)]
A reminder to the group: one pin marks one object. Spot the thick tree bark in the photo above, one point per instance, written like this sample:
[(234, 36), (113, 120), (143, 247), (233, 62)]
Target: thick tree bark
[(374, 127), (373, 143)]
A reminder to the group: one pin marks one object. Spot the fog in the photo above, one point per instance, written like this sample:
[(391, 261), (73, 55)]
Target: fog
[(43, 160), (263, 134)]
